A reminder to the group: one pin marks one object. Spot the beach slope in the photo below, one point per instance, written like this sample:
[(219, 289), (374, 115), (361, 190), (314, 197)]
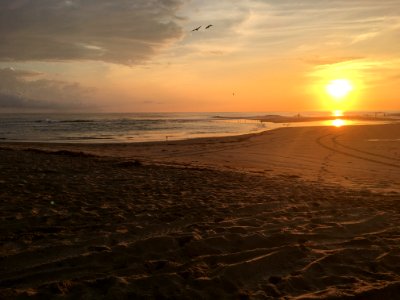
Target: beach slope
[(216, 218)]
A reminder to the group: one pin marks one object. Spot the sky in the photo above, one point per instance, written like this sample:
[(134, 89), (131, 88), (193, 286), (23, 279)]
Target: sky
[(142, 55)]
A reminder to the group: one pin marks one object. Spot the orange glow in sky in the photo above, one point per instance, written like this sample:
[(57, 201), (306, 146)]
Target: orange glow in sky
[(258, 56)]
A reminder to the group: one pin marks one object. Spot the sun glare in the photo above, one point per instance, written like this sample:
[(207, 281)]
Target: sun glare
[(337, 113), (338, 122), (339, 88)]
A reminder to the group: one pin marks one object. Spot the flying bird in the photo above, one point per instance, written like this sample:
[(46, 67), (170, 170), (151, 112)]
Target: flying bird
[(208, 26), (196, 29)]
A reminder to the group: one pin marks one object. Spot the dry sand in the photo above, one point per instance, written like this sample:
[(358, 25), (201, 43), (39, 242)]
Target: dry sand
[(295, 213)]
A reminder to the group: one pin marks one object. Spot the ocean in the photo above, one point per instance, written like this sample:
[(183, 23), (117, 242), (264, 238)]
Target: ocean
[(131, 127), (122, 127)]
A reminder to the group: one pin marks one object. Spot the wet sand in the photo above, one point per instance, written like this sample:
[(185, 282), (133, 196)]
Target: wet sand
[(294, 213)]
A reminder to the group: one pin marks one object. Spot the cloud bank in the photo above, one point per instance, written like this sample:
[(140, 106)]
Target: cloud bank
[(123, 31), (26, 90)]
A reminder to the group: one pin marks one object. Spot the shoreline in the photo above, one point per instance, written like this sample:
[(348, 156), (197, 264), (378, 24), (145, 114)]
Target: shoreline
[(74, 135), (303, 118), (348, 155), (280, 120)]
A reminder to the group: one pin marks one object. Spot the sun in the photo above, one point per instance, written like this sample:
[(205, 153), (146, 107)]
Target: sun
[(339, 88)]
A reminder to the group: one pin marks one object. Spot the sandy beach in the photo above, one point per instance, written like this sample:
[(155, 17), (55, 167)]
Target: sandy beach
[(293, 213)]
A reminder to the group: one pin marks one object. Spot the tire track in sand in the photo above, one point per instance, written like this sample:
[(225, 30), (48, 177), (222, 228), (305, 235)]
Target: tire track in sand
[(321, 141), (362, 151)]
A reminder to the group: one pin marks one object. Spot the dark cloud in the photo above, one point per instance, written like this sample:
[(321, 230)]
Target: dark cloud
[(16, 102), (123, 31), (21, 89)]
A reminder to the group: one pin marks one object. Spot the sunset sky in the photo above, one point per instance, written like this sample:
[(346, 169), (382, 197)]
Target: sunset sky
[(142, 55)]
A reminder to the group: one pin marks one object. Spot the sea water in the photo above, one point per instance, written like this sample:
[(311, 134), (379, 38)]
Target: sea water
[(132, 127), (122, 127)]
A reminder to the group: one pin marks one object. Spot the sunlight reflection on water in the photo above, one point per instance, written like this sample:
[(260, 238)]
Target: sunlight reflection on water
[(338, 122)]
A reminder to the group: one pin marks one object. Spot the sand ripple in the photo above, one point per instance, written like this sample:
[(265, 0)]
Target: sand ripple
[(77, 226)]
